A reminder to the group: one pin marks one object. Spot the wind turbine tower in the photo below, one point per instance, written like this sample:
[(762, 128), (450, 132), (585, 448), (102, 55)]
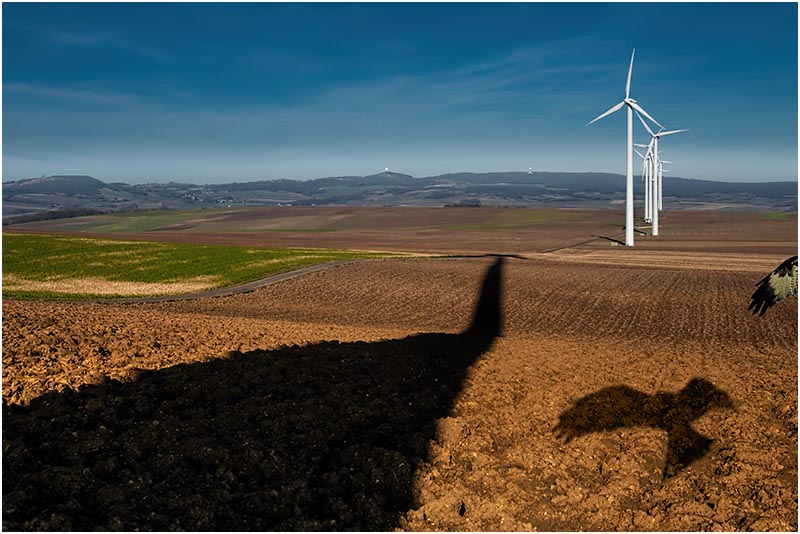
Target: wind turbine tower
[(631, 106), (647, 179), (658, 168)]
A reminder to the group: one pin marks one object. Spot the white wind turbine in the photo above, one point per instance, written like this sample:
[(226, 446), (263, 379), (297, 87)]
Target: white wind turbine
[(631, 105), (650, 199), (659, 169), (647, 178), (649, 173)]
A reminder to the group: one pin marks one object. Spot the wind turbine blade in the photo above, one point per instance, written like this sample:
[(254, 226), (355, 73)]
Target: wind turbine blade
[(609, 112), (650, 147), (672, 132), (639, 153), (645, 124), (638, 108), (630, 70)]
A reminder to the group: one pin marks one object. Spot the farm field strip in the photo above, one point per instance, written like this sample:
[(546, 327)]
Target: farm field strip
[(127, 222), (316, 219), (438, 230), (47, 266), (716, 261)]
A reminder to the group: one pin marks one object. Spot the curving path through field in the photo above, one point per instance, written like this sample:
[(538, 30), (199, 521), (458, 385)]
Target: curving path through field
[(233, 290), (273, 279)]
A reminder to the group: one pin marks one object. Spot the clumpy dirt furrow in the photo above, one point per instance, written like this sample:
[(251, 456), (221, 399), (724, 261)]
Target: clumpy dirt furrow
[(673, 306), (612, 479), (51, 346), (540, 298), (618, 397)]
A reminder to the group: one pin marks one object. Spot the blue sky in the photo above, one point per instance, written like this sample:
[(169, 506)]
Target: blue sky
[(199, 92)]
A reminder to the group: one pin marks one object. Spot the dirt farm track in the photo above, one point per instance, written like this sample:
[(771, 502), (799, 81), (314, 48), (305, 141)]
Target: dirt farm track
[(545, 382)]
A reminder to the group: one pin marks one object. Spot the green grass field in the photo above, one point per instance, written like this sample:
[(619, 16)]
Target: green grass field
[(774, 215), (61, 267)]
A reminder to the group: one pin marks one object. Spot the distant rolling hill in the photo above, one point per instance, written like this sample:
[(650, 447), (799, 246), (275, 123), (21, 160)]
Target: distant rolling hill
[(57, 196), (54, 185)]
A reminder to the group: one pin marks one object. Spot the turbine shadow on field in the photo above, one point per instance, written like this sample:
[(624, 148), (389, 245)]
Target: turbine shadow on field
[(613, 240), (502, 256), (635, 230), (624, 407), (319, 437)]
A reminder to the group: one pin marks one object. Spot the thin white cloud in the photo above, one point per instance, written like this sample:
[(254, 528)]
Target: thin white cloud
[(67, 94), (93, 38)]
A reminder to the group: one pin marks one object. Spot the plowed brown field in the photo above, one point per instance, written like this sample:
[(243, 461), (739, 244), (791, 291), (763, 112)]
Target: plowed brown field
[(600, 389)]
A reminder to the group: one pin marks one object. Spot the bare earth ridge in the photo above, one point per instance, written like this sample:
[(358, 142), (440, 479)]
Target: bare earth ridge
[(599, 388)]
